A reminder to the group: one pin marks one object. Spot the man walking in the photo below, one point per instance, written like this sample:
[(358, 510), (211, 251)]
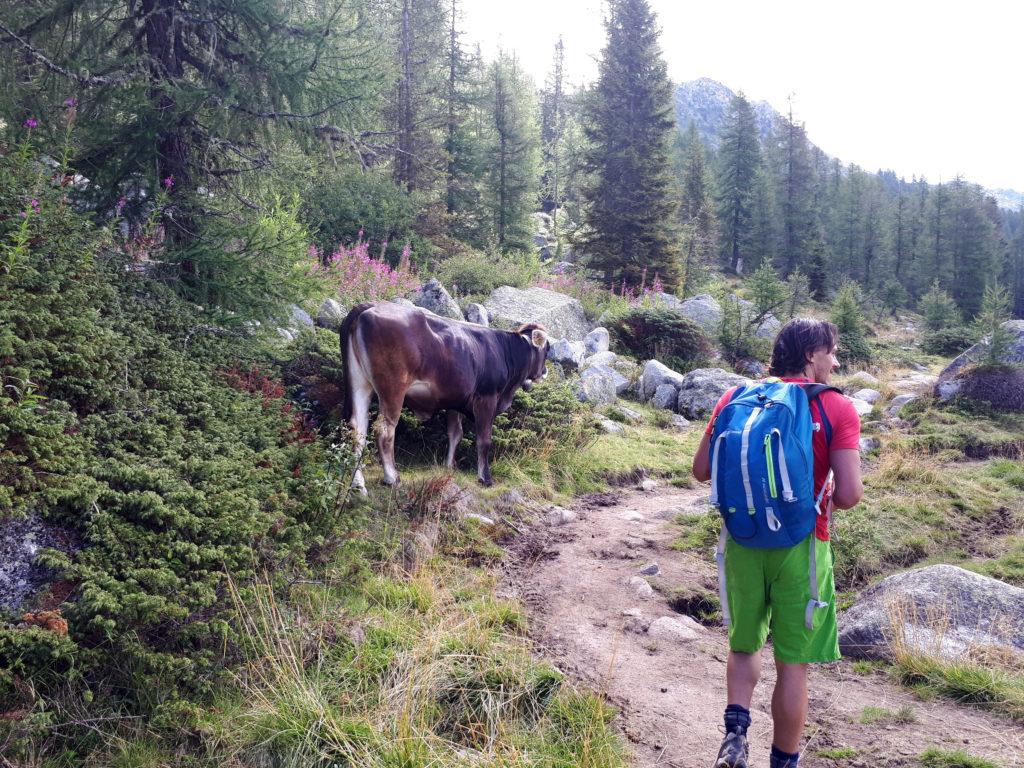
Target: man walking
[(788, 591)]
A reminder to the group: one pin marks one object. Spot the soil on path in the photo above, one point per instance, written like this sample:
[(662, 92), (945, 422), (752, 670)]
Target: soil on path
[(574, 579)]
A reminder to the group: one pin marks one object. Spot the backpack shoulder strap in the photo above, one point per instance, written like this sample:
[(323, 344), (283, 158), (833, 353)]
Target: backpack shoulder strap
[(814, 392)]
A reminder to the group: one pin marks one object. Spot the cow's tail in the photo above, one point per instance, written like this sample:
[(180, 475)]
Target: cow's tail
[(345, 332)]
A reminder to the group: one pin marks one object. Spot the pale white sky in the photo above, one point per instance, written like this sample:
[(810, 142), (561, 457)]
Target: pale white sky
[(927, 88)]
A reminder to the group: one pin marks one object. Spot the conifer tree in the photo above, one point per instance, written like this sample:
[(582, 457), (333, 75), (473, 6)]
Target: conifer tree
[(696, 214), (994, 311), (938, 309), (739, 156), (632, 206), (514, 153), (795, 179), (849, 319), (551, 133)]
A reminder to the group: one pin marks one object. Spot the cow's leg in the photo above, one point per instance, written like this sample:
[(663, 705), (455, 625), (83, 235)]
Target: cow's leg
[(361, 394), (390, 411), (483, 416), (454, 436)]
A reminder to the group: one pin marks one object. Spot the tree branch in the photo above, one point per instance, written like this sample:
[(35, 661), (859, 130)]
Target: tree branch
[(90, 81)]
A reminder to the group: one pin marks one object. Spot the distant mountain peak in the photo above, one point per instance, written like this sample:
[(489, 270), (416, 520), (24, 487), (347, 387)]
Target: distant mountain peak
[(704, 102)]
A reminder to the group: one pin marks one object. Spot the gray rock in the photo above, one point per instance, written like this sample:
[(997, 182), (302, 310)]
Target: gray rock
[(947, 390), (867, 395), (633, 417), (540, 240), (654, 375), (596, 341), (868, 444), (665, 396), (665, 300), (482, 519), (286, 334), (563, 268), (562, 315), (561, 516), (477, 314), (769, 325), (898, 402), (1014, 354), (752, 369), (601, 385), (701, 389), (673, 630), (433, 297), (863, 379), (634, 621), (403, 301), (298, 318), (609, 426), (21, 539), (632, 516), (916, 382), (647, 485), (568, 354), (330, 314), (640, 586), (705, 311), (680, 423), (941, 610), (862, 407), (601, 358), (651, 569)]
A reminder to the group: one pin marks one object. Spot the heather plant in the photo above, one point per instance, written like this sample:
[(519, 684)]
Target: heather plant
[(355, 275), (656, 332)]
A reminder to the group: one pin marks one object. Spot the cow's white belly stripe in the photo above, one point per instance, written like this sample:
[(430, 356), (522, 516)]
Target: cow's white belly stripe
[(419, 389)]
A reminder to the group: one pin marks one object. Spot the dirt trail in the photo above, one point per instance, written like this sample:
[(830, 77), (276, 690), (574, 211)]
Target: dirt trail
[(670, 694)]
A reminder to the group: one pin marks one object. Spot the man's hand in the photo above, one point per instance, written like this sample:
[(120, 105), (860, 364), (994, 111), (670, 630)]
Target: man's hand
[(846, 467)]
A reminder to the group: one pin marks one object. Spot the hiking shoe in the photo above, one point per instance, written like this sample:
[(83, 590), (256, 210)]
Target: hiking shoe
[(733, 752)]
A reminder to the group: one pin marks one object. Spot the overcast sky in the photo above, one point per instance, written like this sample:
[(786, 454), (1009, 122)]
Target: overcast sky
[(927, 88)]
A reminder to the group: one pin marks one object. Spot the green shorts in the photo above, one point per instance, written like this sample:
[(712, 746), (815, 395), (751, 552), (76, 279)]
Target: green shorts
[(769, 590)]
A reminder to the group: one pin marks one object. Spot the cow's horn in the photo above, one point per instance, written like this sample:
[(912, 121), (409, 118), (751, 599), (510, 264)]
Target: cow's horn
[(538, 337)]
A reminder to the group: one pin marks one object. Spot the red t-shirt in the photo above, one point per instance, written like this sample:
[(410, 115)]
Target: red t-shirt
[(845, 434)]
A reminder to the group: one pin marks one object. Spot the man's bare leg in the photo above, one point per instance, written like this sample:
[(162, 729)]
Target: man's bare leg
[(742, 671), (789, 705)]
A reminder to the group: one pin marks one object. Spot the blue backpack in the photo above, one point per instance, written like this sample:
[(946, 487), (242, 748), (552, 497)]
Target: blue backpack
[(762, 463)]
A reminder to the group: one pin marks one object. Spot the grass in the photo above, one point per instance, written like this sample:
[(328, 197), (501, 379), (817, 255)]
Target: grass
[(984, 684), (837, 753), (933, 757), (880, 715)]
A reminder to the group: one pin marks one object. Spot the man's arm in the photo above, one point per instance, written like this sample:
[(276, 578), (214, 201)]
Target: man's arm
[(701, 467), (846, 466)]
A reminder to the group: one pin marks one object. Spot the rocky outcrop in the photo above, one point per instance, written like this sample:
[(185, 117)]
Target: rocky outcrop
[(433, 297), (596, 341), (562, 315), (330, 314), (939, 610), (704, 310), (701, 389), (1014, 353), (655, 375), (601, 385), (21, 540), (477, 314), (568, 354)]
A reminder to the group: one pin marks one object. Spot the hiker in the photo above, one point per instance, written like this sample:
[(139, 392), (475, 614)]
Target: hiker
[(774, 558)]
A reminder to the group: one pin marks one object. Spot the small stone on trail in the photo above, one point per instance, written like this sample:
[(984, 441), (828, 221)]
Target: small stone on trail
[(650, 570), (680, 423), (482, 519), (641, 587), (632, 516), (561, 516), (609, 426), (673, 630), (647, 485)]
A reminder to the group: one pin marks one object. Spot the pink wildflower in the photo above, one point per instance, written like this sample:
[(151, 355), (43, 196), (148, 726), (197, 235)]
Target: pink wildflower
[(121, 203), (169, 181), (35, 204), (31, 123), (71, 103)]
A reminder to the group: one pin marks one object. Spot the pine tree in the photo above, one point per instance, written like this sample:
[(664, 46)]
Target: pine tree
[(632, 206), (696, 214), (994, 311), (795, 195), (974, 244), (514, 153), (551, 134), (739, 156), (849, 319), (938, 309)]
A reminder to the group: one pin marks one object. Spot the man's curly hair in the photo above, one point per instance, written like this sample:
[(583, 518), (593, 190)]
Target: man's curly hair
[(800, 337)]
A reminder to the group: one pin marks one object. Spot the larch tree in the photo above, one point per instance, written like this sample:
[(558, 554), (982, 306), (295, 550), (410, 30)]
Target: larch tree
[(631, 213), (697, 214)]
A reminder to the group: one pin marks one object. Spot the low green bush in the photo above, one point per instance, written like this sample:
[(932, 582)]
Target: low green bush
[(948, 342), (657, 332), (476, 274)]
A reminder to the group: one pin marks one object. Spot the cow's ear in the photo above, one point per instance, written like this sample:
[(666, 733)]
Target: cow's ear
[(538, 337)]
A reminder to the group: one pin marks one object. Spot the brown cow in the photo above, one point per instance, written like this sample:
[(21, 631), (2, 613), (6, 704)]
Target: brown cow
[(406, 355)]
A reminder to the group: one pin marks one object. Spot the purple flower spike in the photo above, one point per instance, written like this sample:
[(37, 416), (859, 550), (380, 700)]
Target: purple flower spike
[(31, 123), (169, 181), (71, 103)]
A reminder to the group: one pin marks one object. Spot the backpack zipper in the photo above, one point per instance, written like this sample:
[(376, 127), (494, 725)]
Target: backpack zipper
[(771, 466)]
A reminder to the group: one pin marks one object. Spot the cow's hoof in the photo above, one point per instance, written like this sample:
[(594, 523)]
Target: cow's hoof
[(390, 482), (485, 482)]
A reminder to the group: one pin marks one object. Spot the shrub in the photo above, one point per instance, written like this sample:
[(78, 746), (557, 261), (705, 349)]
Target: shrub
[(948, 342), (655, 332), (737, 337), (995, 310), (473, 273), (938, 308), (849, 319), (595, 298)]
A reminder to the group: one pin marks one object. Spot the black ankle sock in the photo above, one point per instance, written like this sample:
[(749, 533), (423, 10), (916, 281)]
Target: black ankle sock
[(782, 759), (737, 717)]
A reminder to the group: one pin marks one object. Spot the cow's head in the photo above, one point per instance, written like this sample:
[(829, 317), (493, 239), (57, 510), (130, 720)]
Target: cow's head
[(539, 345)]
